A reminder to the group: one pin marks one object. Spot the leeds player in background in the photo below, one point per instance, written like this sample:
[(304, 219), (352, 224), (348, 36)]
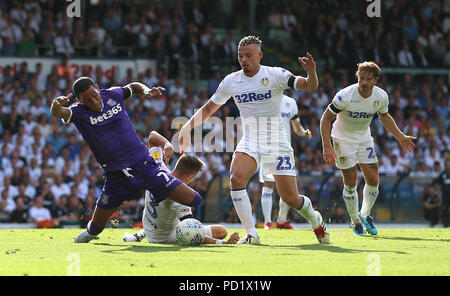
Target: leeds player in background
[(289, 116), (349, 141), (160, 219), (101, 118), (257, 91)]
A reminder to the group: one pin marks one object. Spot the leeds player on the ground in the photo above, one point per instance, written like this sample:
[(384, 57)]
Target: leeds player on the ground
[(289, 116), (257, 91), (354, 107), (160, 219)]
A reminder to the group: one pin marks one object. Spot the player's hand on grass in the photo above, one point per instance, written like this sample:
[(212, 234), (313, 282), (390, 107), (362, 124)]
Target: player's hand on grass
[(328, 155), (233, 239), (308, 63), (407, 143)]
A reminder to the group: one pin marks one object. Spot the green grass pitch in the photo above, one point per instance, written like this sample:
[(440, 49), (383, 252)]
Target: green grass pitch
[(402, 252)]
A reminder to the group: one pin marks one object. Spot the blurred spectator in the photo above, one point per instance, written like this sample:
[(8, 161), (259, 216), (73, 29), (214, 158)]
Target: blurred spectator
[(405, 57), (74, 206), (339, 215), (38, 212), (11, 31), (20, 213), (59, 188), (88, 209), (432, 203), (63, 44), (8, 48), (26, 45), (443, 182), (7, 205), (60, 208)]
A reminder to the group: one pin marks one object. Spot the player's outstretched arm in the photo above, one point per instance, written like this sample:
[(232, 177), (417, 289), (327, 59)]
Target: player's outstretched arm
[(141, 89), (325, 132), (311, 82), (405, 141), (233, 239), (196, 120), (57, 110)]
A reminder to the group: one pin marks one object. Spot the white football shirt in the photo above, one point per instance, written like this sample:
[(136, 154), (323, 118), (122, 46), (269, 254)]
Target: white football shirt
[(288, 110), (160, 220), (352, 124), (258, 99)]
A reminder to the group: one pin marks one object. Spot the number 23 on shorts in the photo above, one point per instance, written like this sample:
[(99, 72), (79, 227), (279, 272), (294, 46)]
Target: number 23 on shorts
[(371, 152), (284, 163)]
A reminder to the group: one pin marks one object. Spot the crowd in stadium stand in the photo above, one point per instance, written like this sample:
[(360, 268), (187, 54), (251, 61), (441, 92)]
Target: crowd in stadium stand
[(48, 171)]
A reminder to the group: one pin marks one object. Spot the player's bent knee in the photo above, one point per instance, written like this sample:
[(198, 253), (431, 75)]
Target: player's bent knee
[(237, 181), (373, 182)]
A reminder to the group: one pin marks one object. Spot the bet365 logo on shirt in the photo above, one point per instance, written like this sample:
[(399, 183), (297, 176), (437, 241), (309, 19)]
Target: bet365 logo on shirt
[(108, 114)]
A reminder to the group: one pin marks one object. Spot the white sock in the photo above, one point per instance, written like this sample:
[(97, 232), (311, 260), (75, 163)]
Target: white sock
[(370, 194), (307, 212), (283, 212), (266, 204), (243, 208), (350, 196)]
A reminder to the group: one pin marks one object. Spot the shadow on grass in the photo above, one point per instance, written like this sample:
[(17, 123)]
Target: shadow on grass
[(154, 248), (402, 238), (336, 249)]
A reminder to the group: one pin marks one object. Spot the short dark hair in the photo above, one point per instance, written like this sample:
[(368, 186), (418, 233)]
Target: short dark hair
[(189, 164), (82, 84)]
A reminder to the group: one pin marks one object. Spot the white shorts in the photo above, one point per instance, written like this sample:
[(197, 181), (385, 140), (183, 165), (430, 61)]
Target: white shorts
[(350, 154), (265, 178), (277, 161)]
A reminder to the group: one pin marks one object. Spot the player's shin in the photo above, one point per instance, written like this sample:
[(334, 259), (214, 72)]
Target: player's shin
[(266, 204), (243, 208), (306, 210), (350, 196), (283, 212), (370, 194)]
